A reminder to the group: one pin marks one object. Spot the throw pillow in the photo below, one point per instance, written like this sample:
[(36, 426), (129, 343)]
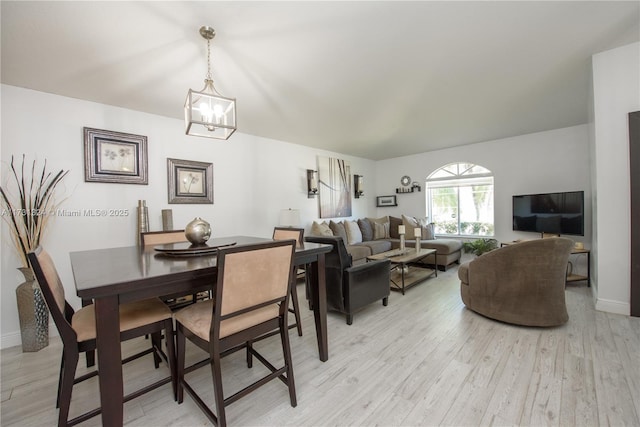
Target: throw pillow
[(394, 222), (428, 230), (380, 230), (410, 224), (365, 229), (321, 229), (338, 230), (354, 235)]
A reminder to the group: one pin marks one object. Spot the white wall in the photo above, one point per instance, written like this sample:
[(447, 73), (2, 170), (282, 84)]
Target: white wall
[(254, 178), (616, 93), (542, 162)]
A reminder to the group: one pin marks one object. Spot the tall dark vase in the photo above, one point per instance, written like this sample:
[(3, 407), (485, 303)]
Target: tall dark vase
[(33, 313)]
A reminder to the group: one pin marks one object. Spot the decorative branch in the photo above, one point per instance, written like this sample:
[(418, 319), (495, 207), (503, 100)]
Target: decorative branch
[(27, 223)]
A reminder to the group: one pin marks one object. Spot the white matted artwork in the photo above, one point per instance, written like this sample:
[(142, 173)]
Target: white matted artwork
[(334, 187)]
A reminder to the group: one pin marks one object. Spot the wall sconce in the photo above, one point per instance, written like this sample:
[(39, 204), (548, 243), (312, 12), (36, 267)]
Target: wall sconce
[(358, 185), (312, 183)]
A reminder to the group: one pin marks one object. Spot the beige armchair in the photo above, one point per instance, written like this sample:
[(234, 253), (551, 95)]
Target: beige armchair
[(523, 283)]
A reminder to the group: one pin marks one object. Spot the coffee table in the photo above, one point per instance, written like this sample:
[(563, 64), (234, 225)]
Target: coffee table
[(401, 260)]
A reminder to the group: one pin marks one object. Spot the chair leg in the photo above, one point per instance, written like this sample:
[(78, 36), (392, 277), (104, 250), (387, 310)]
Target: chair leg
[(249, 346), (216, 373), (70, 362), (286, 351), (385, 301), (171, 355), (349, 319), (60, 381), (156, 345), (181, 343), (296, 307)]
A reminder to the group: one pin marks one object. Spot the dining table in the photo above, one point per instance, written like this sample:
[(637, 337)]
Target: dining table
[(113, 276)]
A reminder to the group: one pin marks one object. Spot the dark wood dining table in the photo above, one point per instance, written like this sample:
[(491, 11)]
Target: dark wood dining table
[(113, 276)]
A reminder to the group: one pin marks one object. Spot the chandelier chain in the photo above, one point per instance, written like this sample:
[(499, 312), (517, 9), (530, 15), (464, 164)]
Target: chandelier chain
[(209, 60)]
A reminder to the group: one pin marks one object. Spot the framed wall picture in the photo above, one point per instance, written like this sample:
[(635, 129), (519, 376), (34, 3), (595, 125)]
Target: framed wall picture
[(334, 187), (190, 182), (382, 201), (115, 157)]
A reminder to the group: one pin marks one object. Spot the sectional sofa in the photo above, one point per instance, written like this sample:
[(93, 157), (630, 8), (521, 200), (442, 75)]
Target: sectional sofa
[(367, 236)]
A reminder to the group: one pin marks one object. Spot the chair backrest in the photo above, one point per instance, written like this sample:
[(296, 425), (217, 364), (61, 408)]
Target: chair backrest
[(336, 262), (252, 280), (152, 238), (53, 292), (284, 233)]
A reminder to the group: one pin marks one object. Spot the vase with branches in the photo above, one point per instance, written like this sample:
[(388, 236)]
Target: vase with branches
[(28, 203)]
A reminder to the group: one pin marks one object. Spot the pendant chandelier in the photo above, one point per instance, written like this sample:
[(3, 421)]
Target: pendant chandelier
[(207, 113)]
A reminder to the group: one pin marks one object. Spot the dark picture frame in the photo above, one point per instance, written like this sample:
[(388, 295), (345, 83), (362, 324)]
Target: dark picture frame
[(115, 157), (384, 201), (189, 182)]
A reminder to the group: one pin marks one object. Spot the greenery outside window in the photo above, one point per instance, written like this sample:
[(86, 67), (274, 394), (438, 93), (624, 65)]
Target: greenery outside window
[(460, 200)]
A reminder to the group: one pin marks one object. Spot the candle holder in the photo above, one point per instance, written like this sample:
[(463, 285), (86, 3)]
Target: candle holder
[(402, 243), (417, 244)]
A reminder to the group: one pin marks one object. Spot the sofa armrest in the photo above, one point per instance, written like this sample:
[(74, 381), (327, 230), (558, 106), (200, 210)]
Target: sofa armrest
[(366, 283)]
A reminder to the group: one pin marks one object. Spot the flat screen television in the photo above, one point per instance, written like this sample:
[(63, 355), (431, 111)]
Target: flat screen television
[(553, 213)]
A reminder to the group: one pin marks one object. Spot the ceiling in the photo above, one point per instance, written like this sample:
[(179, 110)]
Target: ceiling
[(377, 79)]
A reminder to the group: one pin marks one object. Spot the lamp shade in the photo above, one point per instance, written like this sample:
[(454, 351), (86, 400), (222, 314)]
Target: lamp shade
[(289, 218)]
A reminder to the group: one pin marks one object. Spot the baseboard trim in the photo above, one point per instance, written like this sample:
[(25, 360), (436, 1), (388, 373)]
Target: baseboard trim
[(13, 339), (611, 306)]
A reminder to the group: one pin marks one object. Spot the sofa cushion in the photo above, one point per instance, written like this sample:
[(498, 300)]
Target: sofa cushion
[(378, 246), (338, 230), (442, 246), (359, 251), (365, 229), (394, 222), (321, 229), (354, 235)]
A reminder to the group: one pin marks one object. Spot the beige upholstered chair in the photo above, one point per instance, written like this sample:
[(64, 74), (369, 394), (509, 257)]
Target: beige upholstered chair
[(523, 283), (297, 234), (251, 298), (153, 238), (78, 332)]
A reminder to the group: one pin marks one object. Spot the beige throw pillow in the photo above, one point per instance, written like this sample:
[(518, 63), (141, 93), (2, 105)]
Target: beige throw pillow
[(380, 230), (321, 229), (354, 235), (338, 230)]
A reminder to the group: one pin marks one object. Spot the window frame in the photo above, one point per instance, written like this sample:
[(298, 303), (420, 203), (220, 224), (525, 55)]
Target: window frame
[(465, 177)]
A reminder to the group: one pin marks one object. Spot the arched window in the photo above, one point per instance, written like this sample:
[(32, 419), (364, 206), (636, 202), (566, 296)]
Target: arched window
[(460, 200)]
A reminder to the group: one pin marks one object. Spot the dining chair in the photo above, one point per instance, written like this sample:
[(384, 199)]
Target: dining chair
[(251, 299), (77, 330), (297, 234), (155, 238)]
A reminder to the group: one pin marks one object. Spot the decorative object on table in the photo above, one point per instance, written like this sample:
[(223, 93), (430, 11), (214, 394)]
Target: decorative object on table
[(358, 186), (334, 187), (198, 231), (480, 246), (384, 201), (189, 182), (401, 232), (167, 219), (312, 183), (27, 219), (207, 113), (417, 232), (289, 218), (143, 220), (115, 157)]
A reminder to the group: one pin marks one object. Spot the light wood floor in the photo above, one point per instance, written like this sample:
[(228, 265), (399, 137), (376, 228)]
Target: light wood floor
[(423, 360)]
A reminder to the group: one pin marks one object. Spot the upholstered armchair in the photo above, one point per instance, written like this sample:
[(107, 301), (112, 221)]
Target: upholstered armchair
[(350, 288), (523, 283)]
